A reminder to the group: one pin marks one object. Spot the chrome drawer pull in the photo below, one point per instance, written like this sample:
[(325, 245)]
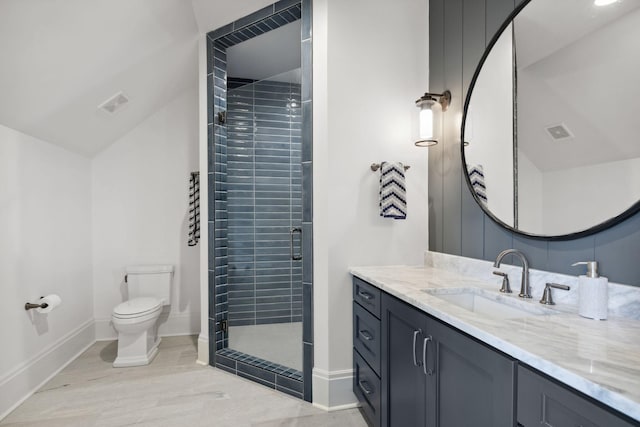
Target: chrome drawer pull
[(365, 295), (366, 335), (428, 372), (415, 335), (364, 386)]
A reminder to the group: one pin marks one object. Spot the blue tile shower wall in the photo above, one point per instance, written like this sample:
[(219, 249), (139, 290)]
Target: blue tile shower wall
[(264, 187), (459, 31)]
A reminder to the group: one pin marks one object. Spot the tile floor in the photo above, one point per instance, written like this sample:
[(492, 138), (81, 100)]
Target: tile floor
[(279, 343), (172, 391)]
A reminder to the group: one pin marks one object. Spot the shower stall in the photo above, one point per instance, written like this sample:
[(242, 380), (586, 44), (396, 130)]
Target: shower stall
[(260, 223)]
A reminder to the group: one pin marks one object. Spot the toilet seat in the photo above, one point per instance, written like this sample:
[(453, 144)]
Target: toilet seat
[(137, 307)]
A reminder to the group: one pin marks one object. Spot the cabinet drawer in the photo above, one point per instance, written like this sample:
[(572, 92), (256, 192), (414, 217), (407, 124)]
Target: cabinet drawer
[(543, 402), (366, 387), (366, 336), (367, 296)]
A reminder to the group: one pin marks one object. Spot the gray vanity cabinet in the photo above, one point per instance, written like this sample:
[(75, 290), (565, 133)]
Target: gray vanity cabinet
[(412, 370), (542, 402), (435, 376)]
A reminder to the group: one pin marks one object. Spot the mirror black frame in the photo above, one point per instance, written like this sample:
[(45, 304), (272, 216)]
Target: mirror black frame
[(631, 211)]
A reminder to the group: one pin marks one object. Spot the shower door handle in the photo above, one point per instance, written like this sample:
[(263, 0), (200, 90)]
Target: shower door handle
[(294, 256)]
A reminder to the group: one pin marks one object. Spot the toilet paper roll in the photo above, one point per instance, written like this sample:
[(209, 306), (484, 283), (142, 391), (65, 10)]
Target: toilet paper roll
[(52, 302)]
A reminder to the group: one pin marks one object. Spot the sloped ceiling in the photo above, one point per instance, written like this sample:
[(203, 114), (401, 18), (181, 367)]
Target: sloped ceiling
[(586, 81), (213, 14), (60, 59)]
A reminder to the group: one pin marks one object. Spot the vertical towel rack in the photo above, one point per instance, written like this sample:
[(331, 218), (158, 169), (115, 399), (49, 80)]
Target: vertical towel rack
[(194, 208)]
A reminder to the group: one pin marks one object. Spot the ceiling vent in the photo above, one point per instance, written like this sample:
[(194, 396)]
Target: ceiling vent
[(559, 132), (115, 103)]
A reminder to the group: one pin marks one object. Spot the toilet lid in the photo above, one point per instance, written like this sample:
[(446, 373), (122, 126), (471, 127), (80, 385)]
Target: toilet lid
[(136, 306)]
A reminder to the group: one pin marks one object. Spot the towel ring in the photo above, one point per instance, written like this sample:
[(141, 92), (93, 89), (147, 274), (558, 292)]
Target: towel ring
[(376, 166)]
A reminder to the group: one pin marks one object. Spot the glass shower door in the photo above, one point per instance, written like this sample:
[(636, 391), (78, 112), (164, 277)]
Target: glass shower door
[(264, 218)]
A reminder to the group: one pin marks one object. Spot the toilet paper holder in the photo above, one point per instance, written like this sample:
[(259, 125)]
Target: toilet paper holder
[(29, 306)]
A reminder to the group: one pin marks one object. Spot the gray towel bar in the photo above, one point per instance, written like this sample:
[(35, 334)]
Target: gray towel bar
[(376, 166)]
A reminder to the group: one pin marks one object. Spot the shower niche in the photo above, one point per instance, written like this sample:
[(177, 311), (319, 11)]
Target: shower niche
[(260, 260)]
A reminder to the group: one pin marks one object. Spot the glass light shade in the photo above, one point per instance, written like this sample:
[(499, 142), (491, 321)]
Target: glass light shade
[(429, 116), (426, 122)]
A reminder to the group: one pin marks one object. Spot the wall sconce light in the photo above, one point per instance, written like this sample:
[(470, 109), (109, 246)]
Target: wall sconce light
[(430, 118)]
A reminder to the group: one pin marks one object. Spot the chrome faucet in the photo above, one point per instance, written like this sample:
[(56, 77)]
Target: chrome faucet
[(525, 292)]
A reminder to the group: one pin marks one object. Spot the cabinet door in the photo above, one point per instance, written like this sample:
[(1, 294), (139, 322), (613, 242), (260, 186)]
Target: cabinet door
[(542, 402), (403, 381), (474, 385)]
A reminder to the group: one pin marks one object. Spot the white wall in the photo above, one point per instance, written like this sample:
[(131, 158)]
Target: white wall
[(530, 196), (45, 247), (571, 200), (579, 198), (203, 149), (370, 63), (489, 128), (140, 212)]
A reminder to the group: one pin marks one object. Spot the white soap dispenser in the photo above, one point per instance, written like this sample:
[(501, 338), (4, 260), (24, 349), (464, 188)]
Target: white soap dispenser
[(593, 293)]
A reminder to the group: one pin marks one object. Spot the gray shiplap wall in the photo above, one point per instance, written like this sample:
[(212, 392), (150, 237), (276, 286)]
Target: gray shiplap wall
[(459, 31)]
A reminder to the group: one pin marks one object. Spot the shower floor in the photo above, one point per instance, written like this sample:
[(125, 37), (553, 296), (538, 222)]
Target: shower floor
[(279, 343)]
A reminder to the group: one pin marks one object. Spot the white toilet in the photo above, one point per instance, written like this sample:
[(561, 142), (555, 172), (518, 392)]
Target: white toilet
[(136, 319)]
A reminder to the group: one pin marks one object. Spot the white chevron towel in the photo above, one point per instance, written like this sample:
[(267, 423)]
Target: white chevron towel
[(393, 193), (194, 209), (476, 176)]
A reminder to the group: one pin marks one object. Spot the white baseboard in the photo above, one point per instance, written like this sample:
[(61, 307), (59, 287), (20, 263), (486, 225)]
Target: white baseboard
[(337, 408), (203, 350), (20, 383), (332, 391), (171, 325)]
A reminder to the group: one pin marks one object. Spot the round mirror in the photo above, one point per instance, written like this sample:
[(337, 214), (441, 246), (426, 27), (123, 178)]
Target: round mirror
[(552, 119)]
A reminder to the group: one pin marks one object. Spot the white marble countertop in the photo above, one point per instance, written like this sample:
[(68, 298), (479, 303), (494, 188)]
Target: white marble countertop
[(598, 358)]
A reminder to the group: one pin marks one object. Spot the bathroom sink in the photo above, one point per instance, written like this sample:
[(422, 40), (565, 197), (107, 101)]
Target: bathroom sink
[(490, 304)]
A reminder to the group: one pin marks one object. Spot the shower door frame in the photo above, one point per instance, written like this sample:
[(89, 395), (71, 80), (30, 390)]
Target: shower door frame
[(268, 18)]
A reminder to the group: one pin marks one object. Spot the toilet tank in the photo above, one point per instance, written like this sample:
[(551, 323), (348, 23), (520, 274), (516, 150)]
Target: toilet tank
[(150, 281)]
